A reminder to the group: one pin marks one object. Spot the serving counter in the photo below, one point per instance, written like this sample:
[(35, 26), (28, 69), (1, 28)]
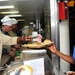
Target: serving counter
[(38, 60)]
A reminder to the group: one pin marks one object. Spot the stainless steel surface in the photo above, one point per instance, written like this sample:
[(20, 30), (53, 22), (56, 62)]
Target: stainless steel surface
[(37, 54), (52, 65), (11, 67), (47, 63), (55, 25), (57, 70)]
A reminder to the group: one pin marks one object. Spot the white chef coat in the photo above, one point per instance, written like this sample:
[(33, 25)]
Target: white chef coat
[(6, 40)]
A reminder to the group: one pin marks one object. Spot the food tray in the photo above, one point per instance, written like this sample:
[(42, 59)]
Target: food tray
[(37, 45)]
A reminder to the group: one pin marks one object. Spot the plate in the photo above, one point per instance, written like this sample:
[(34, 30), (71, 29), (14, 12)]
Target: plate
[(37, 45)]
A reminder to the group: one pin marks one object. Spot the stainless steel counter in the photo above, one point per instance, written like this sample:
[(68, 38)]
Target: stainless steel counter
[(57, 71)]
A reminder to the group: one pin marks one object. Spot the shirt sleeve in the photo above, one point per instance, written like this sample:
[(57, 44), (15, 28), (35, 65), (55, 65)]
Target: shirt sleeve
[(74, 53), (7, 40)]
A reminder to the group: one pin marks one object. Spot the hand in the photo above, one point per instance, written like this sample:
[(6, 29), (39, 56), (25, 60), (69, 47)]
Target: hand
[(12, 53), (71, 73), (52, 48), (17, 46), (13, 49), (27, 38)]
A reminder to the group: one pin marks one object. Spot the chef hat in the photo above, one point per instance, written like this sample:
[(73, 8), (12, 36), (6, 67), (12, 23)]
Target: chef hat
[(14, 21), (6, 21)]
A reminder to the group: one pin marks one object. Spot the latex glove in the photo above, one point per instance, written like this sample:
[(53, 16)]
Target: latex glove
[(38, 39)]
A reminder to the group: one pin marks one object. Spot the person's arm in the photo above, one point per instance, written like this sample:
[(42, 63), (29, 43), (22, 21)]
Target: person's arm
[(19, 39), (65, 57), (26, 38), (61, 55), (7, 40)]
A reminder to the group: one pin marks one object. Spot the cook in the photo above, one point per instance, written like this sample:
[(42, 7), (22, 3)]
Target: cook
[(7, 40)]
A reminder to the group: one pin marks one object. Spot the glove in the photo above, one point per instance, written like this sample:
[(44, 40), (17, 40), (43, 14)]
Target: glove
[(38, 39)]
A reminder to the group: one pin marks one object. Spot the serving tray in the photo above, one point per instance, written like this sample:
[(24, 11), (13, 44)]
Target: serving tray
[(37, 45)]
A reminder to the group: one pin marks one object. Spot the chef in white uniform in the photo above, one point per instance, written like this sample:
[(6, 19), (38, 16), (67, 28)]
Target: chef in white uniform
[(12, 33), (7, 40), (14, 26)]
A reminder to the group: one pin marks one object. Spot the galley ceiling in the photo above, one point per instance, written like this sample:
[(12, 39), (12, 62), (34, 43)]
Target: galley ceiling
[(29, 9)]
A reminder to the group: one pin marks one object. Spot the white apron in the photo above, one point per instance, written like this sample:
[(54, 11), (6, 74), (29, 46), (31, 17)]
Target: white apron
[(6, 40), (0, 47)]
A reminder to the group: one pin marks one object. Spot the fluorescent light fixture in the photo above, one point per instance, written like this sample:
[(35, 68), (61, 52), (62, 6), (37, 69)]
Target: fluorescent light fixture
[(14, 15), (21, 20), (31, 22), (6, 7), (4, 0), (10, 12)]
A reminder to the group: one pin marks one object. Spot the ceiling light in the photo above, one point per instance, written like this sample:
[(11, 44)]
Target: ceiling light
[(31, 22), (6, 7), (4, 0), (14, 15), (11, 12)]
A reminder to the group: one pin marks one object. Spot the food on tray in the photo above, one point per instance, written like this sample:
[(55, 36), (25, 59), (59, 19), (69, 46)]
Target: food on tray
[(22, 70), (70, 73), (46, 42), (33, 45)]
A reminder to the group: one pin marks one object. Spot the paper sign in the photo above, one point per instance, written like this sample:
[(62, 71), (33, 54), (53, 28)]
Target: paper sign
[(37, 65)]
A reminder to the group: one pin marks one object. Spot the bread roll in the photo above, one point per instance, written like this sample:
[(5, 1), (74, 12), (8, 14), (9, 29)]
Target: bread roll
[(47, 41), (22, 70), (26, 70)]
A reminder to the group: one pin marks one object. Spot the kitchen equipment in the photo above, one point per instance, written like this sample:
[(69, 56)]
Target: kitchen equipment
[(41, 60), (38, 60)]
